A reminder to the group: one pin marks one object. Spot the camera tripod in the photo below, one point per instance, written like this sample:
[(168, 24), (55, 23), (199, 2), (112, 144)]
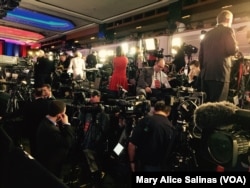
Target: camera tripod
[(15, 96), (184, 155)]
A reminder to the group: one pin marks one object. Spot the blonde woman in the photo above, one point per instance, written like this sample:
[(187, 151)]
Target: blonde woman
[(77, 67)]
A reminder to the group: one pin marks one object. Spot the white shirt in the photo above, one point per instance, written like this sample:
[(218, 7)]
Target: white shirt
[(162, 77), (77, 67)]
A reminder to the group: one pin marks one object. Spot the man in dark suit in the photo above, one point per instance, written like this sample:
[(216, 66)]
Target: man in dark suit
[(43, 69), (152, 79), (91, 60), (34, 112), (194, 75), (55, 138), (216, 49)]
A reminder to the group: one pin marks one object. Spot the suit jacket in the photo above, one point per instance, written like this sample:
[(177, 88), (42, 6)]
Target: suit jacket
[(34, 112), (216, 49), (196, 83), (145, 78), (53, 145), (42, 71)]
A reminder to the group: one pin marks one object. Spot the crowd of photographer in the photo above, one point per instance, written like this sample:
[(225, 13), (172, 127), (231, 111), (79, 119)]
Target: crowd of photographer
[(90, 130), (92, 135)]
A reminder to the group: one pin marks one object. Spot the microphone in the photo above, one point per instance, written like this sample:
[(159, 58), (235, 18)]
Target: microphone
[(215, 114), (243, 118)]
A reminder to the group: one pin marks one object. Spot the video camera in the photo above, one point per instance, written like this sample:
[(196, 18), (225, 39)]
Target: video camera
[(92, 108), (184, 101), (159, 53), (225, 134), (136, 105), (189, 49)]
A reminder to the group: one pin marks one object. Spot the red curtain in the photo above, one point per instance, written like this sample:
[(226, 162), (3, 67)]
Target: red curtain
[(23, 51), (1, 47)]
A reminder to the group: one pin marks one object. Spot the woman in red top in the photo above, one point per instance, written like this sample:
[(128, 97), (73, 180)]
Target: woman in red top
[(119, 76)]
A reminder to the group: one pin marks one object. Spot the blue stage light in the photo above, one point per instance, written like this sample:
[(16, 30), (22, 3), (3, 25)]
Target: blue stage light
[(40, 20)]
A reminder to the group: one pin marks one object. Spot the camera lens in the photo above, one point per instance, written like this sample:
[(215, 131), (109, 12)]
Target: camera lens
[(220, 147)]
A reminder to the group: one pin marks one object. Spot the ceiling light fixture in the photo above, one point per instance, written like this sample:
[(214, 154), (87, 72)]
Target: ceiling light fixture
[(40, 20), (186, 16), (19, 34), (226, 6)]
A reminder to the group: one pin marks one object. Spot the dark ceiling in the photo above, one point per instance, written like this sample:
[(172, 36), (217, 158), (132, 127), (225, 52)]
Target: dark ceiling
[(122, 17)]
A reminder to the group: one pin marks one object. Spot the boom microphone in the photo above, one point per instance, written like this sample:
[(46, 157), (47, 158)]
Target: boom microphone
[(215, 115), (224, 133), (243, 118)]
